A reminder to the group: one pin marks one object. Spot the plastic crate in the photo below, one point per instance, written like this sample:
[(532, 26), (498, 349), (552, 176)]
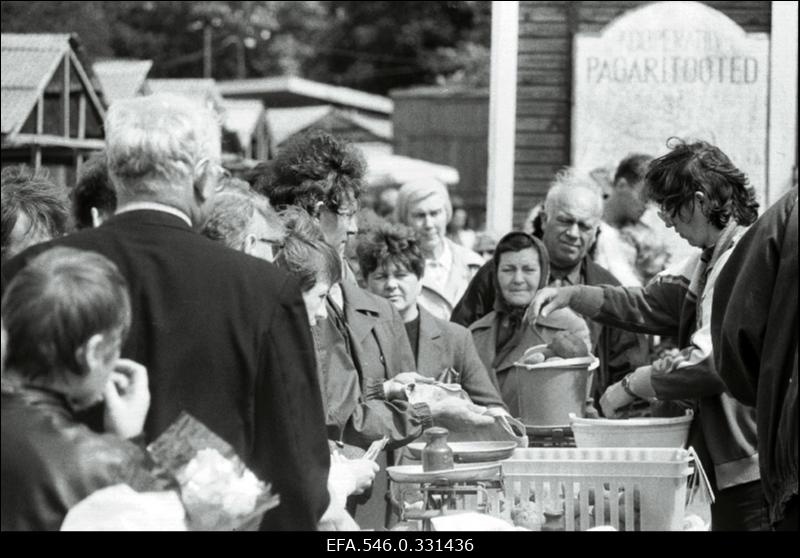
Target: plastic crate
[(626, 488)]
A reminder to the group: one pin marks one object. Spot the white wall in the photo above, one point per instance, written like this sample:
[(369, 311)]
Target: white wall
[(502, 117), (782, 141)]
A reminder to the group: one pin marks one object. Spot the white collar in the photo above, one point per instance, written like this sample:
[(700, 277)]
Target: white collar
[(154, 206), (446, 257)]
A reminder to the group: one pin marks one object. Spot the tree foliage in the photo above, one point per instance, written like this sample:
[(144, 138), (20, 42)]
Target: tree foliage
[(374, 46)]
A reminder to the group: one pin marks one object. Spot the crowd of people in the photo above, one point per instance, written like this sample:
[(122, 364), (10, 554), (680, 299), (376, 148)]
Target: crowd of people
[(291, 320)]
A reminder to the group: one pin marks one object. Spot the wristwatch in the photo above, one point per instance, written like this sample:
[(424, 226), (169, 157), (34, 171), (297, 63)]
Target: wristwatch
[(626, 385)]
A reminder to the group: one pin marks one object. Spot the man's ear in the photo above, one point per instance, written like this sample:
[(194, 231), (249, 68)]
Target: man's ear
[(543, 217), (204, 182), (249, 243), (701, 199)]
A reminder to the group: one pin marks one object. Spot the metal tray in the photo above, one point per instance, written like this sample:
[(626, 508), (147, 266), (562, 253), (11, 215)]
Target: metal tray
[(471, 452), (461, 473)]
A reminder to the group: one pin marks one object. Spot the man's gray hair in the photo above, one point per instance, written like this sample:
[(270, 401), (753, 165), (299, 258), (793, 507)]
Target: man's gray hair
[(154, 143), (229, 215), (567, 183)]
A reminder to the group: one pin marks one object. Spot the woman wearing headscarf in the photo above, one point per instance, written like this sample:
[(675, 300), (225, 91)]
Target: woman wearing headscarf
[(502, 337)]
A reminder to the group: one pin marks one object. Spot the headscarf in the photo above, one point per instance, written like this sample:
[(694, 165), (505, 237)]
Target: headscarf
[(416, 190), (510, 322)]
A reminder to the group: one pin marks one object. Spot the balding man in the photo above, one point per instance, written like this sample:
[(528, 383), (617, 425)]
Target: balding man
[(224, 336), (573, 209)]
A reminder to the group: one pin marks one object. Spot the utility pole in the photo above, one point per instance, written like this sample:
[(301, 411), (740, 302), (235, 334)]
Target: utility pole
[(207, 53)]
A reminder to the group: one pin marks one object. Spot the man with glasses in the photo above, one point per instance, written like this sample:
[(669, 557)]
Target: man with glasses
[(244, 221), (363, 343)]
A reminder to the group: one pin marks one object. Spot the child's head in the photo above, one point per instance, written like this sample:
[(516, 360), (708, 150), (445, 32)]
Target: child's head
[(67, 314)]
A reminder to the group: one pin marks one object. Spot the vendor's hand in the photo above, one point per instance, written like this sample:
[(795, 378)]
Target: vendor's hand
[(127, 399), (459, 414), (614, 398), (547, 300)]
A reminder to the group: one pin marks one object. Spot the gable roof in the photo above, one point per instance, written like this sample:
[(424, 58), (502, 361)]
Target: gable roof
[(242, 116), (204, 90), (122, 78), (286, 122), (29, 61), (293, 91)]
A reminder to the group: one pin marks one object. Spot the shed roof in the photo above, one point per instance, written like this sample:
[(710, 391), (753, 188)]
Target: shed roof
[(389, 169), (29, 61), (293, 91), (122, 78), (286, 122)]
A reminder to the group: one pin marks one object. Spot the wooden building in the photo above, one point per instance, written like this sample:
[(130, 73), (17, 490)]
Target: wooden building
[(545, 82), (53, 106), (449, 126), (285, 123), (247, 119)]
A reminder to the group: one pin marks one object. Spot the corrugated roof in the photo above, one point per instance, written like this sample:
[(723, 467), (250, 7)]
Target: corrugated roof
[(28, 62), (121, 78), (242, 117), (204, 90), (329, 94)]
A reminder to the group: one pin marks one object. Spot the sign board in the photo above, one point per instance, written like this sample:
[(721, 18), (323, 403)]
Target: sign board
[(671, 69)]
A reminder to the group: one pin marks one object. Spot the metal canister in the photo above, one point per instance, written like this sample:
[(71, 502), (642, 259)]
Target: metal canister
[(437, 455)]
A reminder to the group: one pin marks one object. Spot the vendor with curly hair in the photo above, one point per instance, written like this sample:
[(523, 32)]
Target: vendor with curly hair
[(706, 199)]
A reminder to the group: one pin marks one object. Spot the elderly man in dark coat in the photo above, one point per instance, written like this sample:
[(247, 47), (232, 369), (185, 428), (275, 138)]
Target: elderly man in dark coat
[(224, 336)]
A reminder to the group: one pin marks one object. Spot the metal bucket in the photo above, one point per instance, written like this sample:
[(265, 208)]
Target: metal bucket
[(547, 393)]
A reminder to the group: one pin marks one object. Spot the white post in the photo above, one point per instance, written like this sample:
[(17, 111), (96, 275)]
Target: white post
[(782, 141), (502, 117)]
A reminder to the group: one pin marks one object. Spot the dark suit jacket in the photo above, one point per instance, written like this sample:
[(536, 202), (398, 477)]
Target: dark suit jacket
[(225, 337), (444, 345)]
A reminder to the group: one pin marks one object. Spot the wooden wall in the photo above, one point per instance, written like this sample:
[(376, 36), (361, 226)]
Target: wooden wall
[(450, 128), (544, 76)]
